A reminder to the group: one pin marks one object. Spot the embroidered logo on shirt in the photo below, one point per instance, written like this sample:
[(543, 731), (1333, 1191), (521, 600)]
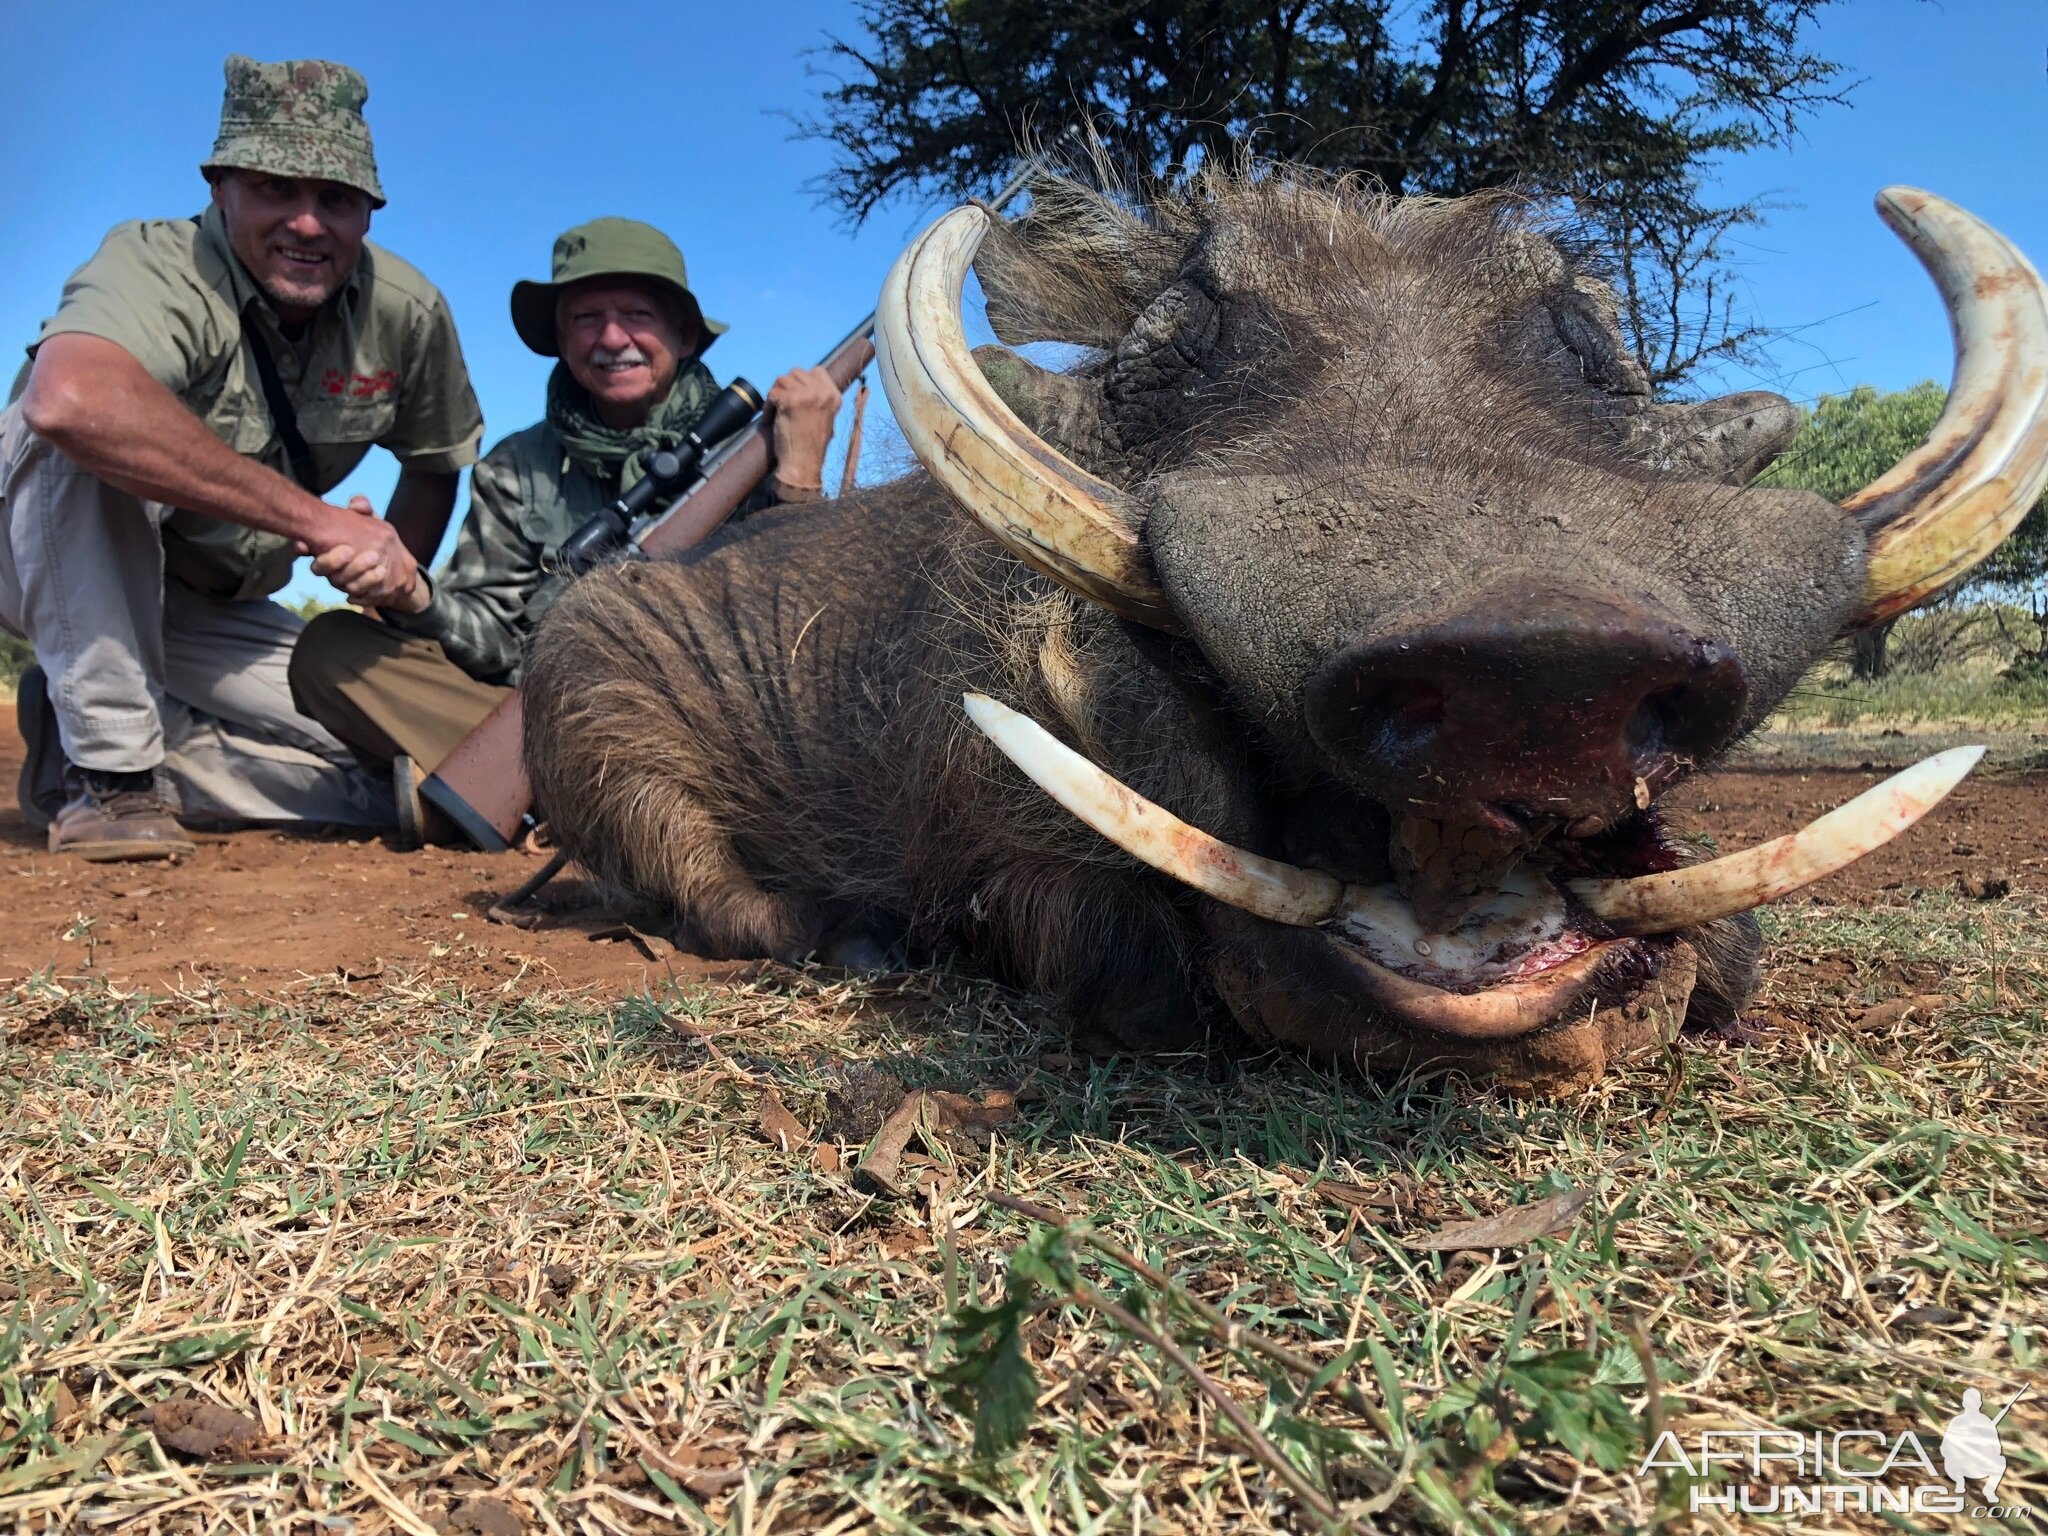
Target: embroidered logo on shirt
[(360, 386)]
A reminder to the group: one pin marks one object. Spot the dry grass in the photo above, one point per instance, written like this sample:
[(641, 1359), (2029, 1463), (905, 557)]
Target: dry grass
[(483, 1261)]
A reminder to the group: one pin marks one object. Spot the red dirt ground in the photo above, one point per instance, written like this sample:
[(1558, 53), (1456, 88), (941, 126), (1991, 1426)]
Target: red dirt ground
[(258, 911)]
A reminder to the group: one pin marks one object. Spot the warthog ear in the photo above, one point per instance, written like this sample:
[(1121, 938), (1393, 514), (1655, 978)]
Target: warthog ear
[(1732, 439), (1064, 410), (1079, 268)]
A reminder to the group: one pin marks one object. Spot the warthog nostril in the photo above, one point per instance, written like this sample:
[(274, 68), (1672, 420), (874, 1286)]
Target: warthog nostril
[(1564, 701), (1692, 719), (1399, 714)]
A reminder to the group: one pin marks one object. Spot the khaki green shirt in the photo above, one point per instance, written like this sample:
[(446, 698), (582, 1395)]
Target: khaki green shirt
[(378, 365), (525, 499)]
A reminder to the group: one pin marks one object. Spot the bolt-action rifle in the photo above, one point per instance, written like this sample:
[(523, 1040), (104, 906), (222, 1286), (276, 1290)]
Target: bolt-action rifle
[(482, 786)]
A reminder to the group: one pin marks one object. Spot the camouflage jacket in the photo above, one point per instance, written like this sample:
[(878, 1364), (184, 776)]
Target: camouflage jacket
[(525, 499)]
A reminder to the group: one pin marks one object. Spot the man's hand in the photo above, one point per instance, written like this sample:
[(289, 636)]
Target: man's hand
[(363, 555), (805, 403)]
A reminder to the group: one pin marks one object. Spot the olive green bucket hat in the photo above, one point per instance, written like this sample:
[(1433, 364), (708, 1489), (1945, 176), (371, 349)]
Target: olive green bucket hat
[(605, 248), (303, 117)]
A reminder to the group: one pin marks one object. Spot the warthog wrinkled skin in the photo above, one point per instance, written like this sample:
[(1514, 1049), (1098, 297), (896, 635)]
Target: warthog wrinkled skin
[(1357, 426)]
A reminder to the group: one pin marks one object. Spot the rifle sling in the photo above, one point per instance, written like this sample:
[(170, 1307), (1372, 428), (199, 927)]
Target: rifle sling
[(283, 416)]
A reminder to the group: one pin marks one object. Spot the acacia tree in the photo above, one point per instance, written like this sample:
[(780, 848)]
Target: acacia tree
[(1847, 441), (1619, 105)]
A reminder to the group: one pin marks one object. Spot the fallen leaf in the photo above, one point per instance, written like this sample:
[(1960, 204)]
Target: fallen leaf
[(1512, 1228), (955, 1112), (206, 1430), (1885, 1015), (487, 1517), (705, 1470), (773, 1119), (881, 1166)]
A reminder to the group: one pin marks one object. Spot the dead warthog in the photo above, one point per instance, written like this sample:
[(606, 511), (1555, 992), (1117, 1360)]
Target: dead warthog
[(1374, 597)]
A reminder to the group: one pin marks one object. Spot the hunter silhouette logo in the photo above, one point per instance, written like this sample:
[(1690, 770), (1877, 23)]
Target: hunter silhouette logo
[(1970, 1447)]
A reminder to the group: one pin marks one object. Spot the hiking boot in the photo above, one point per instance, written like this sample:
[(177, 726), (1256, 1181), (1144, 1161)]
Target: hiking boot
[(109, 817), (40, 789)]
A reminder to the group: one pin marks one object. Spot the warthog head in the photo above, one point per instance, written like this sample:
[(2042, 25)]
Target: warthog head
[(1384, 471)]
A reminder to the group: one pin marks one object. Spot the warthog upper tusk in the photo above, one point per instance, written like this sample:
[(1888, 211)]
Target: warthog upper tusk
[(1680, 898), (1046, 509), (1274, 890), (1951, 502), (1303, 898)]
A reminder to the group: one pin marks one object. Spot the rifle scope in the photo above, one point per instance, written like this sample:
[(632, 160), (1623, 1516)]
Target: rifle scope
[(663, 473)]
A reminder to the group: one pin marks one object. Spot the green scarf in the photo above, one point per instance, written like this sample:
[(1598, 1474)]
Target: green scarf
[(609, 454)]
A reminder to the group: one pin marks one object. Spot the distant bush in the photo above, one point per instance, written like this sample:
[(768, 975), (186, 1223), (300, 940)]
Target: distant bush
[(15, 657), (1961, 661)]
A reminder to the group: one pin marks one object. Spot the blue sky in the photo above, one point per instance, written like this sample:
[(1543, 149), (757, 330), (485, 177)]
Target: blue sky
[(499, 125)]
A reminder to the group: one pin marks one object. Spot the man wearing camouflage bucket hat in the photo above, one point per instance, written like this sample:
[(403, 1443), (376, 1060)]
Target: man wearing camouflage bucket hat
[(202, 387), (618, 313)]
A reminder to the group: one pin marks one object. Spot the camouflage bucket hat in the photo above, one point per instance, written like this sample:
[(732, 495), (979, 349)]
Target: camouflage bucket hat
[(303, 117), (605, 248)]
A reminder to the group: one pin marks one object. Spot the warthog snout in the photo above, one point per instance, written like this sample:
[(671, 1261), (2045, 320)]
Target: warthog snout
[(1554, 701)]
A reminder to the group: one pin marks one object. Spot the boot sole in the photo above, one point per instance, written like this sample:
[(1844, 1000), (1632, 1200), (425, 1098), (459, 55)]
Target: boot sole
[(123, 853)]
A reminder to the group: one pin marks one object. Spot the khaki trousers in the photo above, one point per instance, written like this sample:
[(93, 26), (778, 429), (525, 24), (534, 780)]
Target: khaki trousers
[(146, 673), (385, 692)]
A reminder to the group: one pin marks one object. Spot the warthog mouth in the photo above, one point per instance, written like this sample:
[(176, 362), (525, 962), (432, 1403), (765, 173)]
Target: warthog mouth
[(1538, 939)]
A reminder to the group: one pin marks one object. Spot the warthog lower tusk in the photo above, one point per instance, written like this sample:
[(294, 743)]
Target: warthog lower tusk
[(1048, 511), (1277, 891), (1951, 501), (1304, 898), (1699, 893)]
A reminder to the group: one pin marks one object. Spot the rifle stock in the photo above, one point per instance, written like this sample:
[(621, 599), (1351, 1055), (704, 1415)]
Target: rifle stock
[(482, 786)]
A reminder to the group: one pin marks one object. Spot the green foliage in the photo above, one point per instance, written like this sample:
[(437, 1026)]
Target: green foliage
[(15, 657), (1847, 441), (1567, 1406), (991, 1380)]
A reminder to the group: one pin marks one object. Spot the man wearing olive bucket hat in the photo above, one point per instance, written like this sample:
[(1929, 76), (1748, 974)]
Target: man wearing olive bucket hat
[(202, 387), (618, 313)]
